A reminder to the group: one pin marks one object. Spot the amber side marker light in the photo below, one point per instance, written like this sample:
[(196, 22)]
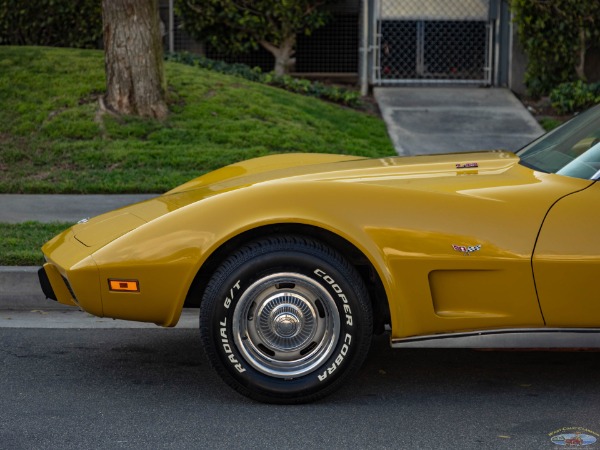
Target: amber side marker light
[(124, 285)]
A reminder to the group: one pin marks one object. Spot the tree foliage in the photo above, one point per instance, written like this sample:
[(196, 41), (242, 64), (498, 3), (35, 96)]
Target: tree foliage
[(234, 26), (55, 23), (556, 36)]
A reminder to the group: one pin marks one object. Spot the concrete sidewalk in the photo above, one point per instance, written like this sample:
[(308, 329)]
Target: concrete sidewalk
[(444, 120), (16, 208)]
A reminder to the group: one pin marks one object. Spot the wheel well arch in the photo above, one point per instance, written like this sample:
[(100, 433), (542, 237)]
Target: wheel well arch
[(381, 312)]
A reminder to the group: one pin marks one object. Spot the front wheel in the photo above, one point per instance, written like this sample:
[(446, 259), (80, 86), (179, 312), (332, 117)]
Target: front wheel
[(286, 320)]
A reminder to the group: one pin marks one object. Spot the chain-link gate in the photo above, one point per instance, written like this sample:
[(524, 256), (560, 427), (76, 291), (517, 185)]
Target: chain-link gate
[(433, 41)]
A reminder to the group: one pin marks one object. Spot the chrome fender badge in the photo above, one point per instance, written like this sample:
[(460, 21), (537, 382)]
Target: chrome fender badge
[(466, 249), (471, 165)]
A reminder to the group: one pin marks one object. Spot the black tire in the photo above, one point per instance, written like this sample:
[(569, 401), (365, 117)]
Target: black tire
[(286, 320)]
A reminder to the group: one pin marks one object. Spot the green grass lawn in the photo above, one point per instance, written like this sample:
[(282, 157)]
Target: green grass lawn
[(52, 139)]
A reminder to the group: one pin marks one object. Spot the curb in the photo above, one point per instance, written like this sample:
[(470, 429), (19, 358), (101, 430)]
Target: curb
[(20, 290)]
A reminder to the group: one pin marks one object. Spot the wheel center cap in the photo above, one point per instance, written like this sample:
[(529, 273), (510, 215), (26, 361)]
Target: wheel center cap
[(286, 322), (286, 325)]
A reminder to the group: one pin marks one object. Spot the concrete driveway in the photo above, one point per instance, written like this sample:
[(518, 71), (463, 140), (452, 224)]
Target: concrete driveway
[(443, 120)]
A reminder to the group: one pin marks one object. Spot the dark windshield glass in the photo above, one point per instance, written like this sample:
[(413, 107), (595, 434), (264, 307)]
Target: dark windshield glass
[(572, 149)]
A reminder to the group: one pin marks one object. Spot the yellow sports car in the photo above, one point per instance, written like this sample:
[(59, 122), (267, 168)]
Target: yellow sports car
[(296, 260)]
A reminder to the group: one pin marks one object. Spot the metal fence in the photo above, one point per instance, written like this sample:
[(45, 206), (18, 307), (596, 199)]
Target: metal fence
[(433, 41), (409, 42)]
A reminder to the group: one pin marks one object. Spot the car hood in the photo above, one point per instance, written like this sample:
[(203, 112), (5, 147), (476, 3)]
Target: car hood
[(286, 168), (319, 167)]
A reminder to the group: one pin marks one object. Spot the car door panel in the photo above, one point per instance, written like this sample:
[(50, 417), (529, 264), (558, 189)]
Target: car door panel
[(566, 261)]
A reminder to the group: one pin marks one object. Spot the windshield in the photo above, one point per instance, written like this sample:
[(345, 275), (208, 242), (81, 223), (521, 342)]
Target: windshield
[(573, 149)]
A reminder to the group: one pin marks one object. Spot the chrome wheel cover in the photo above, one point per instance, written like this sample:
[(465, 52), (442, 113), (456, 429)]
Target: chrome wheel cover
[(286, 325)]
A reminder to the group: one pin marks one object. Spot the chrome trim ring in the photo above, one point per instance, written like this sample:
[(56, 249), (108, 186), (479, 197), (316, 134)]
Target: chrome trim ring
[(286, 325)]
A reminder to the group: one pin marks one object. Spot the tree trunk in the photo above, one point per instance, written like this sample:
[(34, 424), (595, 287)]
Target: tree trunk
[(580, 66), (284, 54), (135, 80)]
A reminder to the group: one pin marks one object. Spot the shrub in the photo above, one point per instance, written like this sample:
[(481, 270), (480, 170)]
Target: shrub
[(576, 96)]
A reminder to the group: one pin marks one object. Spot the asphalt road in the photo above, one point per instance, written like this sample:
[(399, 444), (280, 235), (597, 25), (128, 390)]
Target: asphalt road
[(153, 388)]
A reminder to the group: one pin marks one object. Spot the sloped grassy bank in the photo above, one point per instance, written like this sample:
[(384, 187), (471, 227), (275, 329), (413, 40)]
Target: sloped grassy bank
[(54, 140)]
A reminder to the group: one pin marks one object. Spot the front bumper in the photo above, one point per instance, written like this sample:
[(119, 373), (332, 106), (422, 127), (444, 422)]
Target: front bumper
[(84, 260)]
